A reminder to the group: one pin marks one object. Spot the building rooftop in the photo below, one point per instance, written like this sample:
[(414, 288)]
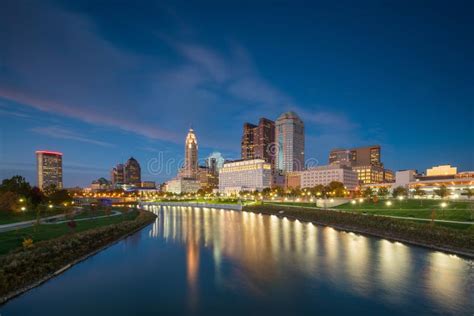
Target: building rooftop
[(289, 115)]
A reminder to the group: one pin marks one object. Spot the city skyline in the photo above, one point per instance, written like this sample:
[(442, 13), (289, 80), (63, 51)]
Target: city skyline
[(401, 101)]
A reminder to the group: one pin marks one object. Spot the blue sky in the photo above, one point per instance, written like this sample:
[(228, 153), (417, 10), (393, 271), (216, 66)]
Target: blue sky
[(105, 80)]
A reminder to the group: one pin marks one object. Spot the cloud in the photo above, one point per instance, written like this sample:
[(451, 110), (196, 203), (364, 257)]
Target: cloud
[(61, 133), (60, 63)]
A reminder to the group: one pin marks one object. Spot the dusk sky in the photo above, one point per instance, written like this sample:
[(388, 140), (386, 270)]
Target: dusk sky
[(102, 80)]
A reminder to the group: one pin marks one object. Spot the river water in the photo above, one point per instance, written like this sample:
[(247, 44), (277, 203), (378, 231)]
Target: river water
[(215, 262)]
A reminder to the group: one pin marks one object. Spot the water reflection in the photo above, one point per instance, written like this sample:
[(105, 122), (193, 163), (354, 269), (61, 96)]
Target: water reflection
[(261, 248)]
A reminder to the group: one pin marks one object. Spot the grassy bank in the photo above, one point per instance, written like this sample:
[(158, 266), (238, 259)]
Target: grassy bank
[(14, 239), (25, 268), (437, 237), (453, 211)]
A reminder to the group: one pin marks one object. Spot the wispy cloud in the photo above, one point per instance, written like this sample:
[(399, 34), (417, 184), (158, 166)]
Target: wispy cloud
[(61, 133)]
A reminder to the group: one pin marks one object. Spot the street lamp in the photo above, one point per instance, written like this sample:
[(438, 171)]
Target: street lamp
[(388, 203), (443, 206), (23, 208), (353, 202)]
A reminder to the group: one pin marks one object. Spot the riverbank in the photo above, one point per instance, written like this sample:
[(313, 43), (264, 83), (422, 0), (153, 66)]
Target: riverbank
[(24, 269), (424, 235), (228, 206)]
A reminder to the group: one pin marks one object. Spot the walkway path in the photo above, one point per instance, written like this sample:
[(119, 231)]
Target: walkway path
[(50, 220), (392, 216)]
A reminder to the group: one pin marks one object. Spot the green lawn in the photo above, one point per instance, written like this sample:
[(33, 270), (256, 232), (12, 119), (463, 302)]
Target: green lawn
[(411, 204), (454, 211), (13, 239), (12, 217)]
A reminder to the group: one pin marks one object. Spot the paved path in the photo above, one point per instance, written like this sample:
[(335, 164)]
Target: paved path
[(18, 225), (399, 217), (50, 220), (114, 213)]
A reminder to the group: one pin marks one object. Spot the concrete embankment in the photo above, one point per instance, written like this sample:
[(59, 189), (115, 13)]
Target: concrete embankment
[(236, 207)]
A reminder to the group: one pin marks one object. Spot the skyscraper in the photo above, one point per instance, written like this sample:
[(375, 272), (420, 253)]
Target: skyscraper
[(366, 161), (117, 176), (132, 172), (257, 140), (360, 156), (190, 168), (247, 143), (50, 169), (289, 140)]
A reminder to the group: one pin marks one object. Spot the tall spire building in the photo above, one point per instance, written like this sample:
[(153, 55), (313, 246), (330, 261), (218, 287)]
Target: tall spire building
[(190, 168)]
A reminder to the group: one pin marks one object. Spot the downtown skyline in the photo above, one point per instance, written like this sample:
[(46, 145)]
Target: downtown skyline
[(134, 91)]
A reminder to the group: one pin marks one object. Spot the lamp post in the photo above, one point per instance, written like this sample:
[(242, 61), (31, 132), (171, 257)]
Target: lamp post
[(443, 206)]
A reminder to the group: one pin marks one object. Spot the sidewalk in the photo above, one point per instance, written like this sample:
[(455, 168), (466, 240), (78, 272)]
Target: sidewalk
[(44, 220)]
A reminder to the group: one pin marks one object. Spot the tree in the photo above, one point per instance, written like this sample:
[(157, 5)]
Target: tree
[(336, 188), (418, 191), (266, 192), (368, 192), (60, 196), (382, 192), (36, 197), (318, 190), (469, 192), (399, 191), (17, 185), (9, 201), (442, 192)]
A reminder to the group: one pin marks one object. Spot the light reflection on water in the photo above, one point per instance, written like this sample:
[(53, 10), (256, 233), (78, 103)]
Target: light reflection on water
[(266, 246), (218, 262)]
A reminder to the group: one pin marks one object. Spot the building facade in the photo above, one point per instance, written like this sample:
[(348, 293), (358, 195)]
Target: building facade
[(441, 170), (258, 140), (49, 167), (247, 142), (117, 176), (190, 168), (289, 141), (132, 172), (370, 174), (208, 178), (323, 175), (456, 184), (182, 185), (245, 175), (360, 156), (340, 157), (366, 161)]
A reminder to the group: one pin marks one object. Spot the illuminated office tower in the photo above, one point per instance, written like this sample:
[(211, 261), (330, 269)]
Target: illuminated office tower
[(50, 169)]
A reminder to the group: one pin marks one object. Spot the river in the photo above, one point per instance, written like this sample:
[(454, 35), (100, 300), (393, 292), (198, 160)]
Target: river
[(198, 261)]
